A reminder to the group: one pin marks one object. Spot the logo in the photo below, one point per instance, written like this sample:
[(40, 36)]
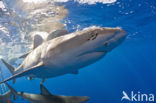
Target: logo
[(140, 97)]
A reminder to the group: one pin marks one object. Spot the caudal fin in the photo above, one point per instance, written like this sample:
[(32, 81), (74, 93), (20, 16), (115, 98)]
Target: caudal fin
[(10, 67)]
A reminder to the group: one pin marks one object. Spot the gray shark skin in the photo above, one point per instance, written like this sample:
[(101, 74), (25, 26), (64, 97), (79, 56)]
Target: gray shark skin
[(47, 97), (6, 98), (67, 53)]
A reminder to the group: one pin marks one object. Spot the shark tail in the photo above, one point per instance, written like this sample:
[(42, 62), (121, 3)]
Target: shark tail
[(13, 91), (10, 67)]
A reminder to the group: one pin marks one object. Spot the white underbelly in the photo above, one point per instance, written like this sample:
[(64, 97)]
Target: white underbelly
[(69, 62)]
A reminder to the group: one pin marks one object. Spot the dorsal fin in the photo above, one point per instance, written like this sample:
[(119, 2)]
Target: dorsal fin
[(44, 90), (57, 33), (38, 40)]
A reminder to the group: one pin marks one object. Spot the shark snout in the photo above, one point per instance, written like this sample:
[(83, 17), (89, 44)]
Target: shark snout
[(115, 37), (108, 33), (120, 35)]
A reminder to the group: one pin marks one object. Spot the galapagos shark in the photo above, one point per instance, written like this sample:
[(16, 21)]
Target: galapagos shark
[(65, 53), (47, 97)]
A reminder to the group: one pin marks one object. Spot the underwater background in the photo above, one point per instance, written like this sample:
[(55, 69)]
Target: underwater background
[(129, 67)]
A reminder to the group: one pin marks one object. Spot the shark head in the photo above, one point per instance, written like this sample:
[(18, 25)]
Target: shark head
[(102, 39), (92, 43)]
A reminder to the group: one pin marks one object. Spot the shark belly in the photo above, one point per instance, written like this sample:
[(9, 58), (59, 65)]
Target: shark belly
[(69, 63)]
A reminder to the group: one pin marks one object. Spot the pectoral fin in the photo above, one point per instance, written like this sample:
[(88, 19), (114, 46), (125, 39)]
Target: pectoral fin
[(25, 55), (27, 72)]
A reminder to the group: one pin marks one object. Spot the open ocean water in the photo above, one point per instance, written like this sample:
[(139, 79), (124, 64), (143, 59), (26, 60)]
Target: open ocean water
[(129, 67)]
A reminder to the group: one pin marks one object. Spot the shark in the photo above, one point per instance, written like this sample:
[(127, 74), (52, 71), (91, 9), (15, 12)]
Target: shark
[(63, 53), (47, 97)]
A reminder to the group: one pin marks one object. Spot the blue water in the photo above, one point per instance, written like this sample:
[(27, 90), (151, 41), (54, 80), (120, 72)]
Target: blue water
[(129, 67)]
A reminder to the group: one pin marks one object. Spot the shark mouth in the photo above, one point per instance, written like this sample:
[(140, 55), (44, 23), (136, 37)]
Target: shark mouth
[(89, 52)]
